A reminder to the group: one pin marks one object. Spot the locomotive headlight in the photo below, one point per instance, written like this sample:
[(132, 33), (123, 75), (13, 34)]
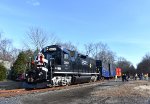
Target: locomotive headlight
[(26, 74), (40, 73), (59, 68)]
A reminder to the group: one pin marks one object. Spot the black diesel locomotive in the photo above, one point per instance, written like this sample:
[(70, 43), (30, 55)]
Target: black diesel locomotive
[(58, 66)]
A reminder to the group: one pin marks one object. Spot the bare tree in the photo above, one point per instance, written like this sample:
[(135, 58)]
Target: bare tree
[(111, 56), (144, 65), (89, 48), (100, 51), (14, 53), (125, 65), (37, 38), (6, 46), (67, 45), (5, 49)]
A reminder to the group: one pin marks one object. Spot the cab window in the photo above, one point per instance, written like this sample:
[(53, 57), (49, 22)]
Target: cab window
[(66, 56)]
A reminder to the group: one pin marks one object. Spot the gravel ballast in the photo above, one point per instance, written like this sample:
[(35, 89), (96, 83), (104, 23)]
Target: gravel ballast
[(111, 92)]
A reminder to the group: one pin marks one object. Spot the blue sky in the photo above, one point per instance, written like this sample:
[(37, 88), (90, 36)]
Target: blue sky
[(124, 25)]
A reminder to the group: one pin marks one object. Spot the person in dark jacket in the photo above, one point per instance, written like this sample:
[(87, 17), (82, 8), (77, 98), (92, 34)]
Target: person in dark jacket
[(124, 78)]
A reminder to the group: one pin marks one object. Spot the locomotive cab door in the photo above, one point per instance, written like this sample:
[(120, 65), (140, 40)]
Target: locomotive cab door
[(66, 62)]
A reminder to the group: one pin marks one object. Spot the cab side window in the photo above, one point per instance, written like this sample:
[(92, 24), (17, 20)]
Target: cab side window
[(66, 56)]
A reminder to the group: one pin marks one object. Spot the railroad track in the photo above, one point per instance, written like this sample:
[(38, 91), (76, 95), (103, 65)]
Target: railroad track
[(16, 92)]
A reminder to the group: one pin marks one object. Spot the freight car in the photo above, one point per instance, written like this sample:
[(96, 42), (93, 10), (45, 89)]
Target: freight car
[(106, 70), (57, 66)]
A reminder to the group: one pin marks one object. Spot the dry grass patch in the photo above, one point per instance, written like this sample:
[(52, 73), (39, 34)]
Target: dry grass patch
[(134, 88)]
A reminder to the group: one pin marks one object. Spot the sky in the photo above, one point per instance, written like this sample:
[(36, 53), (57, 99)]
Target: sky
[(124, 25)]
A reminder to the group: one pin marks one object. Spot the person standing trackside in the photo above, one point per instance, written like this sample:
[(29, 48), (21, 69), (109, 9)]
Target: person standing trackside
[(123, 77), (116, 78), (136, 76), (146, 77)]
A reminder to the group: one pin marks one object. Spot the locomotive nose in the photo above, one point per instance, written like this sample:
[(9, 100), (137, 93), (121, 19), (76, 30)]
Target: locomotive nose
[(30, 77)]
